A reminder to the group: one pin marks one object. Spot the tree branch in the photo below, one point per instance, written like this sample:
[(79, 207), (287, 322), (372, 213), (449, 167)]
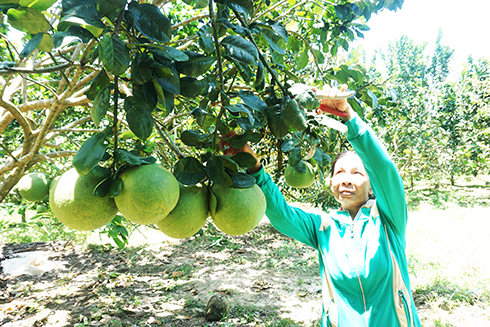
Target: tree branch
[(17, 114), (190, 20), (24, 70)]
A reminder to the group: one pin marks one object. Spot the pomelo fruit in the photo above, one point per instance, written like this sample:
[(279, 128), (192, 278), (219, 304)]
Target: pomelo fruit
[(148, 194), (34, 186), (298, 179), (189, 215), (41, 208), (236, 211), (72, 201)]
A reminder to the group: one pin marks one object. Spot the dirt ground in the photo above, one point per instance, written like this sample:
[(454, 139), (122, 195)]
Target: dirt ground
[(267, 278)]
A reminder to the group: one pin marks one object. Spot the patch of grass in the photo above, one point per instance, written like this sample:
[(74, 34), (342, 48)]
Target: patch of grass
[(442, 289), (39, 228)]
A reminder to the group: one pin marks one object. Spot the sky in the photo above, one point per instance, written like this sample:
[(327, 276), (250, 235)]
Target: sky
[(465, 26)]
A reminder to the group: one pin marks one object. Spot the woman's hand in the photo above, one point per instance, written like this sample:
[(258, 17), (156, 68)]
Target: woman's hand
[(228, 150), (339, 107)]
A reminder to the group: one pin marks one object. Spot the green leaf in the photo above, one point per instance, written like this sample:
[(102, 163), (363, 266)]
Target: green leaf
[(205, 41), (192, 87), (295, 157), (91, 152), (110, 8), (39, 5), (169, 79), (273, 40), (275, 121), (259, 83), (100, 81), (138, 117), (46, 44), (243, 6), (242, 180), (74, 34), (150, 21), (82, 13), (101, 105), (195, 138), (103, 187), (279, 29), (303, 59), (230, 165), (305, 96), (31, 45), (240, 140), (189, 171), (289, 144), (94, 26), (241, 108), (356, 105), (253, 101), (374, 99), (244, 159), (294, 116), (141, 70), (215, 170), (100, 173), (196, 65), (125, 157), (164, 54), (28, 20), (321, 158), (203, 118), (114, 54), (240, 49), (116, 187)]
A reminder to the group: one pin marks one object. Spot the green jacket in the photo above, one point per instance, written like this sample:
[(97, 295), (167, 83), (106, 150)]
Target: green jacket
[(362, 261)]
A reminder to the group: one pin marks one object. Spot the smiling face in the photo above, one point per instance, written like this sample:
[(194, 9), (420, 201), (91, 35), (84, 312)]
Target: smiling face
[(350, 182)]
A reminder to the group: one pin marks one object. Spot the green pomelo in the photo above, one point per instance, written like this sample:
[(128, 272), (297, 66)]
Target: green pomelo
[(237, 211), (298, 179), (72, 201), (189, 215), (34, 186), (41, 208), (148, 194)]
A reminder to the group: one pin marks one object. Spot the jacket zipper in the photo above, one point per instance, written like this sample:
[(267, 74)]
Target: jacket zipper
[(357, 273), (404, 303)]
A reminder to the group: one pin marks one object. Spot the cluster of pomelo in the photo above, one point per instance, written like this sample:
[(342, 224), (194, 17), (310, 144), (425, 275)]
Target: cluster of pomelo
[(150, 194)]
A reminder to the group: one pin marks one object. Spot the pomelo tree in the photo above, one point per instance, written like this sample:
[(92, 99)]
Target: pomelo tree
[(103, 85), (118, 81)]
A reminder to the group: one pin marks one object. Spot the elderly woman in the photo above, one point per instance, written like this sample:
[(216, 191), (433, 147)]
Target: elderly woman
[(361, 246)]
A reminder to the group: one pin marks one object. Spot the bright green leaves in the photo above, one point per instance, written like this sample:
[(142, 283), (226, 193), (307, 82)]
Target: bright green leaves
[(189, 171), (240, 49), (150, 21), (101, 105), (39, 5), (114, 54), (28, 20), (110, 8), (286, 117), (196, 65), (138, 116), (91, 152), (82, 14), (305, 96)]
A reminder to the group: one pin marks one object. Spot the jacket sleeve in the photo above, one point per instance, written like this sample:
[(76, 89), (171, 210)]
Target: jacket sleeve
[(384, 178), (288, 220)]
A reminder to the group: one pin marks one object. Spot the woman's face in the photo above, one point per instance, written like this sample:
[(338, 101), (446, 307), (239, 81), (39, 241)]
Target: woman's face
[(350, 183)]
